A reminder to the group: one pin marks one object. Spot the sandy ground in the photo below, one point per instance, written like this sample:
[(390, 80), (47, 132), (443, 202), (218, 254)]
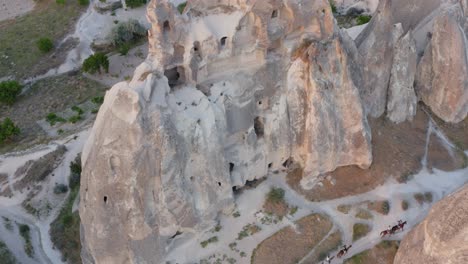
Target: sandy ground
[(11, 208), (12, 8)]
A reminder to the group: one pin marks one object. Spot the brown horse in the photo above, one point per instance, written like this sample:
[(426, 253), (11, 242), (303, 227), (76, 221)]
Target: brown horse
[(401, 225), (385, 232), (343, 251)]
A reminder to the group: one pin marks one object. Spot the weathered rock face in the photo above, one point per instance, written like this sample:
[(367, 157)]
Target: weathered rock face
[(442, 78), (439, 29), (402, 99), (214, 106), (442, 237)]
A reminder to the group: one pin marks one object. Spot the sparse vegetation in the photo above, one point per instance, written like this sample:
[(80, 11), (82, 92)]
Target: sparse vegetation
[(126, 34), (344, 208), (6, 257), (364, 214), (428, 197), (45, 45), (9, 90), (135, 3), (181, 7), (60, 188), (83, 2), (78, 110), (98, 100), (405, 177), (333, 6), (276, 195), (205, 243), (404, 205), (53, 119), (65, 229), (95, 63), (7, 223), (236, 214), (20, 56), (385, 207), (74, 119), (248, 230), (360, 231), (8, 130), (293, 210), (25, 233), (363, 19), (60, 2)]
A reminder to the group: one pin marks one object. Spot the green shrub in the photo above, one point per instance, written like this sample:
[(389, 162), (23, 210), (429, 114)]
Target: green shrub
[(78, 110), (135, 3), (293, 210), (45, 45), (53, 118), (126, 33), (210, 240), (74, 119), (98, 100), (60, 2), (95, 63), (8, 129), (385, 207), (24, 232), (276, 195), (181, 7), (124, 49), (6, 256), (9, 90), (333, 6), (83, 2), (60, 188), (363, 19)]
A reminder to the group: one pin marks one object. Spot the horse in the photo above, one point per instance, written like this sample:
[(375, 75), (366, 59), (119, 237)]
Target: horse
[(394, 229), (343, 251), (401, 225), (385, 232)]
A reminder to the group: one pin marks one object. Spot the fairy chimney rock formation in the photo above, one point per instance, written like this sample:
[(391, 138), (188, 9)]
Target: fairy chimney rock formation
[(213, 106)]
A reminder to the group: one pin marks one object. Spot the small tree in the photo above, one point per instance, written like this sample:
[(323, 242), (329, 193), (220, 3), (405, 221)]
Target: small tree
[(95, 62), (8, 129), (45, 45), (83, 2), (9, 90), (60, 2)]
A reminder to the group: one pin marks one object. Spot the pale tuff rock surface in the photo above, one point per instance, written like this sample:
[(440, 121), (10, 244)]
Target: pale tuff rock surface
[(214, 106), (402, 100), (442, 237), (439, 30), (442, 78)]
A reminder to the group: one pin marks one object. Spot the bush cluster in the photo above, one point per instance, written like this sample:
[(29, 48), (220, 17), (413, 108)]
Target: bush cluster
[(45, 45), (125, 34), (95, 63), (9, 90), (8, 129), (276, 195)]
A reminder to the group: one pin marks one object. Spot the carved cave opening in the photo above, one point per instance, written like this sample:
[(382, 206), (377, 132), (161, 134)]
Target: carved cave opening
[(258, 127), (175, 75)]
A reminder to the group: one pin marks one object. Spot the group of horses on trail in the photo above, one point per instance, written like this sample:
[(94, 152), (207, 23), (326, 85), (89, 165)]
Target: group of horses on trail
[(340, 254), (390, 231)]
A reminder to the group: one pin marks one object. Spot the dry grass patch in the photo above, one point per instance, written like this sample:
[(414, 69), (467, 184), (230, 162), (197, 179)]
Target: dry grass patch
[(360, 231), (275, 203), (381, 207), (331, 243), (288, 246), (383, 253), (18, 50), (364, 214)]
